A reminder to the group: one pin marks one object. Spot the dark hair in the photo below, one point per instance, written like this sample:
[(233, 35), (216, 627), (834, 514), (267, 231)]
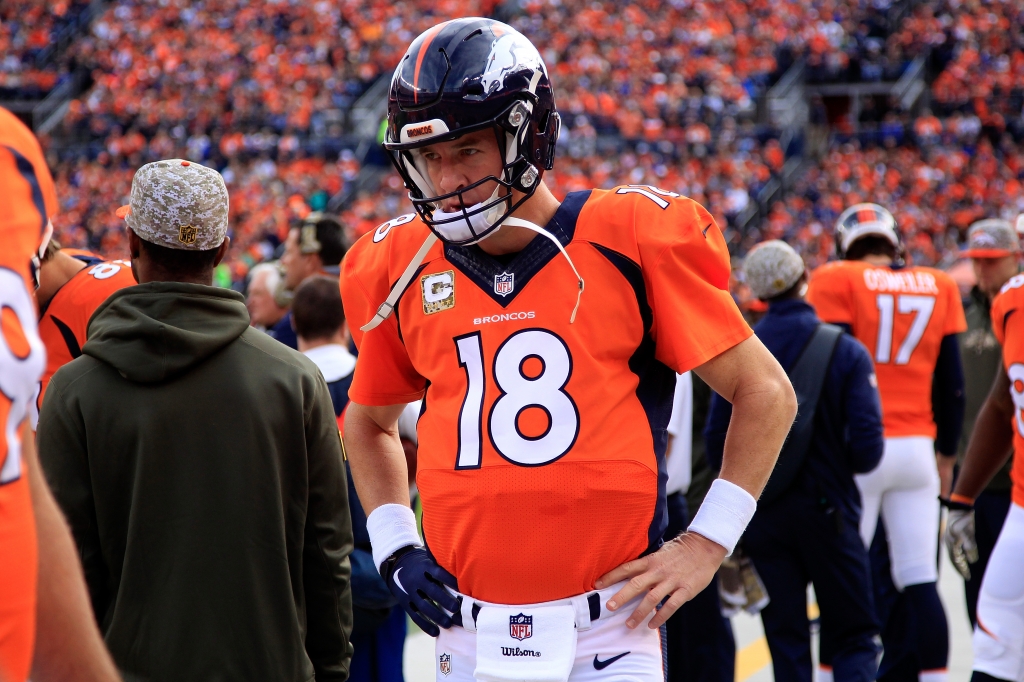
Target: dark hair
[(870, 245), (332, 241), (317, 312), (180, 262)]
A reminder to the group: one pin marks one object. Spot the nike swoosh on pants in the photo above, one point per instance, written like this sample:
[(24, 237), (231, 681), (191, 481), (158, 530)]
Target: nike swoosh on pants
[(601, 665)]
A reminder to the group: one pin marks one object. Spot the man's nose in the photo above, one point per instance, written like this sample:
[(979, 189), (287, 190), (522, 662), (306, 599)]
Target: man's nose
[(451, 178)]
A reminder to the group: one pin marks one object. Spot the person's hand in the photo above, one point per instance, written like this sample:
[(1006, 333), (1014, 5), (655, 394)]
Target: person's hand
[(945, 467), (681, 568), (418, 583), (960, 540)]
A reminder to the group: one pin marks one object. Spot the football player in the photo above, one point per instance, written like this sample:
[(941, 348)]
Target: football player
[(46, 622), (544, 338), (908, 317), (71, 287), (999, 634)]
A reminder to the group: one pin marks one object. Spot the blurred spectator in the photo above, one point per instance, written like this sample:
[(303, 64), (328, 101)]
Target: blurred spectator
[(266, 312), (379, 626)]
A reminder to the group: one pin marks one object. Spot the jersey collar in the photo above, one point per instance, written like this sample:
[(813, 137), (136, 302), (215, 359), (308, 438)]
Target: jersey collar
[(482, 269)]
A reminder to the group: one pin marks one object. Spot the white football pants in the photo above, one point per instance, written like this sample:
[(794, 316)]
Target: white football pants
[(999, 635), (601, 651), (904, 489)]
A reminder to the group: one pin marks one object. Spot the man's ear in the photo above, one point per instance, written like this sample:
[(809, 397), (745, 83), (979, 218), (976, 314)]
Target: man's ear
[(222, 251), (134, 243)]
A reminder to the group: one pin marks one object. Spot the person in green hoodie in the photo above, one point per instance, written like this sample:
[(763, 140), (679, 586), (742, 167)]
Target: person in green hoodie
[(199, 464)]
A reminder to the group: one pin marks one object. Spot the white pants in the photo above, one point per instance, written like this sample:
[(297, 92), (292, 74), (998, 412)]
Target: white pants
[(999, 636), (904, 488), (608, 638)]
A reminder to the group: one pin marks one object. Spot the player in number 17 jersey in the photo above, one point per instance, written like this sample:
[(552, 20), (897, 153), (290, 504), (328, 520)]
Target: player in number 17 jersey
[(546, 363), (908, 318)]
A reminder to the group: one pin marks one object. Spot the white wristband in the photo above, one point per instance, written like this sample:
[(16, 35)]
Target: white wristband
[(724, 514), (391, 527)]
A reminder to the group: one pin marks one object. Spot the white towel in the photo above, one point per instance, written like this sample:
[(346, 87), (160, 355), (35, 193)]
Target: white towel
[(525, 644)]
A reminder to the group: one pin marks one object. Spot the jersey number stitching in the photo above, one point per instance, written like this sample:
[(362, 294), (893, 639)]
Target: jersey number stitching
[(517, 393), (922, 308)]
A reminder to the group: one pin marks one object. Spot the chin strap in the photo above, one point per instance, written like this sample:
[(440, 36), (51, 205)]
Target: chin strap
[(519, 222), (388, 306)]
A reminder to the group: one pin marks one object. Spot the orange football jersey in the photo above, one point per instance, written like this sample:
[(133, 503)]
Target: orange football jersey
[(901, 314), (1008, 326), (65, 319), (541, 442), (29, 199)]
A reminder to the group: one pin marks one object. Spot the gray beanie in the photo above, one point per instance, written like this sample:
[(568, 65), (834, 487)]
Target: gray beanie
[(772, 268)]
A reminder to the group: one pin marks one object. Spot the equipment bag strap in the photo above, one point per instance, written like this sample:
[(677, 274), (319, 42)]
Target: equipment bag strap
[(807, 376)]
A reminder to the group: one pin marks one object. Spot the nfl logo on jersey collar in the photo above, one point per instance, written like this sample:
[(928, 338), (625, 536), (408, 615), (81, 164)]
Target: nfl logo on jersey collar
[(520, 626), (504, 283)]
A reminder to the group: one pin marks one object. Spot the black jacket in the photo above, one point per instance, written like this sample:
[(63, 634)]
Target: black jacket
[(199, 465), (847, 436)]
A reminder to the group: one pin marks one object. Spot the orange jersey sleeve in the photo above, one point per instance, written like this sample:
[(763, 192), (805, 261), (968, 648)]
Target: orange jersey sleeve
[(686, 269), (28, 201), (64, 324), (1008, 327), (384, 374)]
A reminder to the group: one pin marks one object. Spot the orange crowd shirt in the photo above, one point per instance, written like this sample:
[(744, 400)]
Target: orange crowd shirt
[(65, 320), (1008, 326), (29, 199), (901, 314), (541, 442)]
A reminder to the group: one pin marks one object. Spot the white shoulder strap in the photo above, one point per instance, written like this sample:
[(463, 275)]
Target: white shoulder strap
[(388, 306)]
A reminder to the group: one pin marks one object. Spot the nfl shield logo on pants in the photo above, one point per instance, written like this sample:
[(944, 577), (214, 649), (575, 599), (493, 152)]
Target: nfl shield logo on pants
[(504, 283), (446, 663), (520, 627)]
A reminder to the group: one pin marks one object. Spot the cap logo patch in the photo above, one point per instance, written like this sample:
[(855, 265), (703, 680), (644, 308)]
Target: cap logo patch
[(188, 234), (420, 131), (438, 291)]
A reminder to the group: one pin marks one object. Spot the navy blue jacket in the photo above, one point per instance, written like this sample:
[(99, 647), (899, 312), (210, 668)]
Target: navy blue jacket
[(848, 424), (283, 332)]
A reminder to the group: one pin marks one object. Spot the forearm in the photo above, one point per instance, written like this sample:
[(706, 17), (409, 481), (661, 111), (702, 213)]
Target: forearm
[(991, 441), (761, 418), (376, 456), (763, 408), (68, 643)]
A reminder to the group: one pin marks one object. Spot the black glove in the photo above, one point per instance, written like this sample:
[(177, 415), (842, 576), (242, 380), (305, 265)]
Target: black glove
[(418, 584)]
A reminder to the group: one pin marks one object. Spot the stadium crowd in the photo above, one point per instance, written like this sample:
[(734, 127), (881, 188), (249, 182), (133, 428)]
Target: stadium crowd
[(689, 93), (27, 30)]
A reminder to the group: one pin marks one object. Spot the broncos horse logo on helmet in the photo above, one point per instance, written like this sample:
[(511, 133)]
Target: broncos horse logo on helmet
[(459, 77)]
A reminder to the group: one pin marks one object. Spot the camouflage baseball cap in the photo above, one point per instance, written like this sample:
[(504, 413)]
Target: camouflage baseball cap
[(178, 204), (991, 238), (772, 268)]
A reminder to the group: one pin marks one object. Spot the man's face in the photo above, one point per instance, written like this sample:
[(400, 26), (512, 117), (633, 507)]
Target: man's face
[(263, 310), (993, 273), (297, 265), (461, 162)]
